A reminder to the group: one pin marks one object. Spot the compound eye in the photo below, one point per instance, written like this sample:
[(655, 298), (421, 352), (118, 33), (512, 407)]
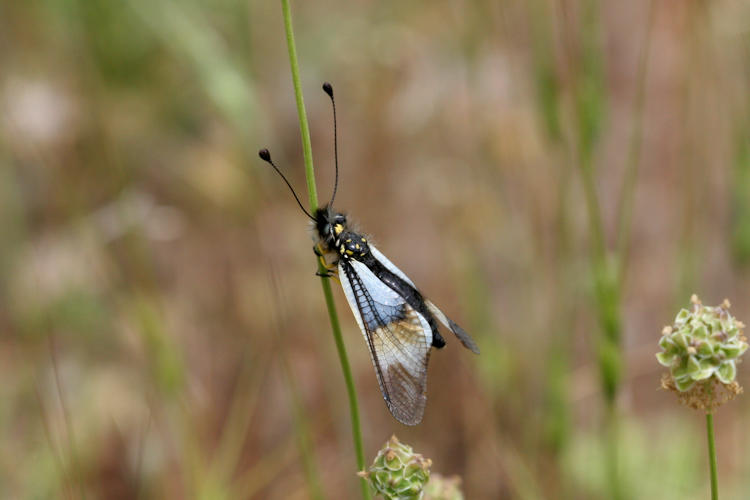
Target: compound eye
[(327, 229), (340, 219)]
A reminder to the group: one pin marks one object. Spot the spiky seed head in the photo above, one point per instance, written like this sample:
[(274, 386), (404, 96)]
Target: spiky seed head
[(397, 473), (701, 350)]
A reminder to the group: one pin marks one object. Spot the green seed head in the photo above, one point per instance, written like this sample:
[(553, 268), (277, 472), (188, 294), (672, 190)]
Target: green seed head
[(398, 473), (701, 350)]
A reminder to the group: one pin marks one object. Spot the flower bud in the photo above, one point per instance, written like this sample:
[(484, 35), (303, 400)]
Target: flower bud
[(701, 350), (398, 473)]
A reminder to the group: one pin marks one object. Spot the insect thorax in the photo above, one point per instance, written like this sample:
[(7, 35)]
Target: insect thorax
[(351, 245), (335, 237)]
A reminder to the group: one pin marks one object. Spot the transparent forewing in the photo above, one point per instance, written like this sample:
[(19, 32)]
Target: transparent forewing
[(398, 337)]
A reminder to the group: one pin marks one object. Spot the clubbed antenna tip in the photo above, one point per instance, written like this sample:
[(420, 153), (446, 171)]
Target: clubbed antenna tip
[(328, 89), (265, 155)]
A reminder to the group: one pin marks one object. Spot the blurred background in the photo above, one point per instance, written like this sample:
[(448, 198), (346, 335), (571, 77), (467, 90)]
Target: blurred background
[(558, 176)]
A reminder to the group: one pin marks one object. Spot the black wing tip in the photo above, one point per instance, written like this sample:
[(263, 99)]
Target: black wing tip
[(459, 332), (464, 337)]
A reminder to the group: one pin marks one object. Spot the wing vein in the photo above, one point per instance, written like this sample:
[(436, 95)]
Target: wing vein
[(397, 340)]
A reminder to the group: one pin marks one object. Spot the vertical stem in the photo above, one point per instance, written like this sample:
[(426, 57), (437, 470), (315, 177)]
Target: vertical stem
[(302, 430), (299, 416), (634, 149), (712, 456), (304, 129), (590, 108), (325, 283), (612, 447), (592, 208), (75, 463)]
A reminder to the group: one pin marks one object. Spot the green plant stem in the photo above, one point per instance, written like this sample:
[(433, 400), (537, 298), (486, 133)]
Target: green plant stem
[(612, 446), (634, 149), (302, 430), (606, 291), (592, 208), (325, 282), (712, 455), (299, 416), (304, 128), (590, 108)]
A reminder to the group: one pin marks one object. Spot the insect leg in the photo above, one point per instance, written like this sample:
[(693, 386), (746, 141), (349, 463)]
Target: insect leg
[(321, 257), (330, 269)]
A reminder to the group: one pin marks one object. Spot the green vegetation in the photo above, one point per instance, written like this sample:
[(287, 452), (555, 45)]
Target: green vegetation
[(558, 177)]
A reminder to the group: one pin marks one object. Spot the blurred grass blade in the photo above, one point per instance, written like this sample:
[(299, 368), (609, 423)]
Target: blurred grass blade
[(166, 365), (590, 111), (741, 198), (64, 477), (546, 78), (590, 83), (76, 468), (299, 416), (266, 470), (625, 209), (189, 36), (242, 406)]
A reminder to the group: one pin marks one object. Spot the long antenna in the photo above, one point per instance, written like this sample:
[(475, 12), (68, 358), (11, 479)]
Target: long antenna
[(265, 155), (329, 90)]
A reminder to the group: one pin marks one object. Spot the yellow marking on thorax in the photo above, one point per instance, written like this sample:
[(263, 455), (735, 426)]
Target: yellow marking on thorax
[(338, 228)]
